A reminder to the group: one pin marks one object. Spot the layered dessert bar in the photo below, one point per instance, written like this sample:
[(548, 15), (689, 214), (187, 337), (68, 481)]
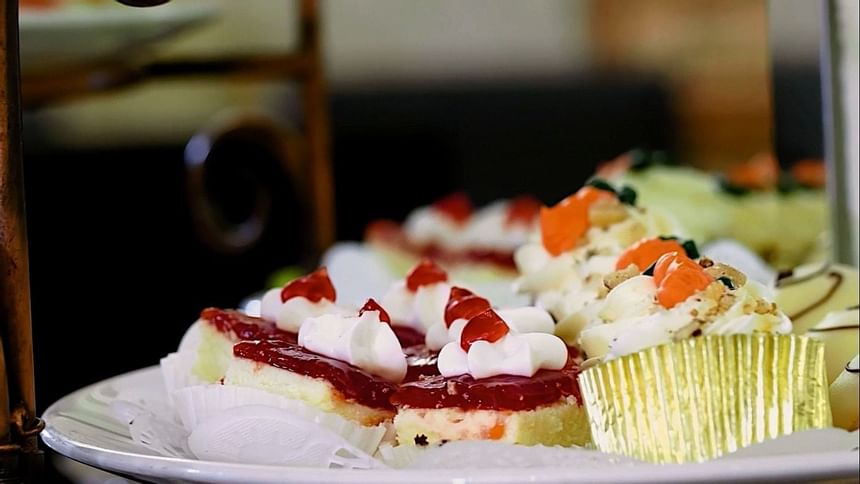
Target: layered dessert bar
[(349, 365), (495, 384)]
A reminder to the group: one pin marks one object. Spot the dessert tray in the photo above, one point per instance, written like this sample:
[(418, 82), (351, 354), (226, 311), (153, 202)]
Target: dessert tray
[(88, 426)]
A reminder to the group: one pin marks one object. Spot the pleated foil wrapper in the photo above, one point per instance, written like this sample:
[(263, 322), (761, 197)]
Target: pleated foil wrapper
[(704, 397)]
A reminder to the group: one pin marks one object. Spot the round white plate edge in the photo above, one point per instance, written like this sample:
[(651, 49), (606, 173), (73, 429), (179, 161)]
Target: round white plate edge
[(814, 466)]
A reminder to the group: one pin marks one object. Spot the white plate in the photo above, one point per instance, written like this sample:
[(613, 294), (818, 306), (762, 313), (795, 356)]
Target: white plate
[(77, 35), (80, 426)]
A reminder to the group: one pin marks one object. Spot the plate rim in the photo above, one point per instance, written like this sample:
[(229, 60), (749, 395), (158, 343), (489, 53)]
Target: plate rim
[(832, 465)]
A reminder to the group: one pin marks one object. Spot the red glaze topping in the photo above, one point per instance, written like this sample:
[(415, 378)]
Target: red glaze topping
[(420, 362), (372, 305), (761, 172), (407, 335), (563, 224), (678, 277), (486, 326), (810, 173), (646, 252), (425, 274), (353, 383), (502, 392), (456, 206), (244, 327), (522, 210), (314, 286), (463, 304)]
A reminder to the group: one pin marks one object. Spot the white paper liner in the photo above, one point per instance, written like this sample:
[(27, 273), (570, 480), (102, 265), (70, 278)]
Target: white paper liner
[(262, 434), (198, 404), (176, 367)]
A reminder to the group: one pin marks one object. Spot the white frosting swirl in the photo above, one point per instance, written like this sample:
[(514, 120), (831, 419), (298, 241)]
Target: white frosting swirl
[(528, 319), (520, 354), (362, 341), (632, 320), (428, 226), (488, 229), (419, 310), (289, 315)]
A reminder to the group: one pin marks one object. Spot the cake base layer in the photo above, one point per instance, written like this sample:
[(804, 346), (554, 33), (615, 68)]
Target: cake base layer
[(562, 423), (213, 354), (313, 391)]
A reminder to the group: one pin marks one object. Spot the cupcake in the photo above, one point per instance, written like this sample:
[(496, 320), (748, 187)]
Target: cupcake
[(766, 206), (690, 195), (495, 384), (690, 360), (579, 242)]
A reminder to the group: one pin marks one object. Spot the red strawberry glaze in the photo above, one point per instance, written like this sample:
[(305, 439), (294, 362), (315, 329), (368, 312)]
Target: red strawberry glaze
[(486, 326), (314, 286), (425, 274), (354, 384), (420, 363), (372, 305), (463, 304), (522, 210), (456, 206), (244, 327), (502, 392)]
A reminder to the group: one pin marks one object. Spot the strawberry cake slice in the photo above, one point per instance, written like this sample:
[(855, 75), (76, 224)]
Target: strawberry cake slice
[(283, 311), (495, 384)]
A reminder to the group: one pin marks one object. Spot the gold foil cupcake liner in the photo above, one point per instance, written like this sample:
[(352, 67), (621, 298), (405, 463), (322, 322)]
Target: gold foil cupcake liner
[(703, 397)]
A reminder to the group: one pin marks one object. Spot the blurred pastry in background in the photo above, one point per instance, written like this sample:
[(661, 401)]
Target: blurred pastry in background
[(454, 234), (809, 292), (579, 242), (844, 401), (754, 202), (690, 195), (840, 331), (779, 215)]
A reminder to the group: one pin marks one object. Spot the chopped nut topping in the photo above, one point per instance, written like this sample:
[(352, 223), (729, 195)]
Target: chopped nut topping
[(764, 307), (612, 280), (604, 213), (723, 270)]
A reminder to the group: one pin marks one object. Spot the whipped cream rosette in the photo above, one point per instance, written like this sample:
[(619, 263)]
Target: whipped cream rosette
[(452, 232), (690, 361), (579, 242)]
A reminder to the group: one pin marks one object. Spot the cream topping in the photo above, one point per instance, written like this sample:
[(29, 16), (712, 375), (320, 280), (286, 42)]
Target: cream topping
[(520, 354), (419, 310), (289, 315), (362, 341), (632, 320), (528, 319)]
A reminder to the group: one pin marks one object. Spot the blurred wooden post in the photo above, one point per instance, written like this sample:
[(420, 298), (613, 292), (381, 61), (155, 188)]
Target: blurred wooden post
[(317, 131), (20, 426)]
